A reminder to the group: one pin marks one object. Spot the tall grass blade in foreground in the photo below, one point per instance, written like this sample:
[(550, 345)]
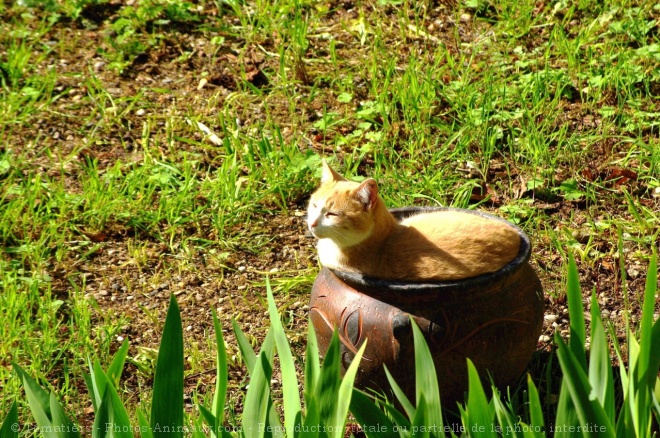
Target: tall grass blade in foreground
[(167, 403), (9, 427)]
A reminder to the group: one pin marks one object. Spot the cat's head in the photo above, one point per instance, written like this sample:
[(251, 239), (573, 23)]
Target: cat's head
[(342, 210)]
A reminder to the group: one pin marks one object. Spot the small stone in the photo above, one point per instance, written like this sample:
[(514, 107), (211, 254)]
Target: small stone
[(274, 270), (544, 338), (305, 307), (241, 268), (465, 17), (199, 297), (98, 65), (551, 318), (140, 112), (189, 328), (103, 292), (56, 135), (633, 273), (120, 339), (202, 83)]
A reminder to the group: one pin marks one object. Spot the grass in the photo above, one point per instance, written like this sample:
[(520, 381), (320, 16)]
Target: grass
[(544, 113)]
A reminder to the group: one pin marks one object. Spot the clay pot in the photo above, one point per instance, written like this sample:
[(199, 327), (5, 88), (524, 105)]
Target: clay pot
[(493, 319)]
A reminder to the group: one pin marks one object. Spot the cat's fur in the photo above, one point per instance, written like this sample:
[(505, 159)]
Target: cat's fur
[(357, 233)]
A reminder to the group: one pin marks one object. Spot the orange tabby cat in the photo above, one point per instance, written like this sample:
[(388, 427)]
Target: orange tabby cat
[(357, 233)]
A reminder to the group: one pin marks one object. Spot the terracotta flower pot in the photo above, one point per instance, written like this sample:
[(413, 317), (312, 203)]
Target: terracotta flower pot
[(493, 319)]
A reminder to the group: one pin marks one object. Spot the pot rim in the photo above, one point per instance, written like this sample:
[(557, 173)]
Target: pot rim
[(409, 287)]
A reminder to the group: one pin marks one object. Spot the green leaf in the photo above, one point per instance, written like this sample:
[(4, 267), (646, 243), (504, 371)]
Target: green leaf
[(102, 417), (60, 421), (257, 398), (600, 367), (345, 392), (117, 365), (145, 428), (220, 376), (329, 380), (41, 397), (399, 394), (426, 379), (479, 411), (111, 418), (167, 402), (345, 97), (505, 420), (38, 411), (291, 397), (648, 358), (10, 426), (366, 412), (576, 312), (312, 366), (535, 407), (420, 421), (589, 411)]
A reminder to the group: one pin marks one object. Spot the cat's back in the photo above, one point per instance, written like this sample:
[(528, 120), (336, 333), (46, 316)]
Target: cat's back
[(453, 244)]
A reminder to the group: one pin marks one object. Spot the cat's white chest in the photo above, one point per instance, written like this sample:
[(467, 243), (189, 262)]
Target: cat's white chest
[(329, 254)]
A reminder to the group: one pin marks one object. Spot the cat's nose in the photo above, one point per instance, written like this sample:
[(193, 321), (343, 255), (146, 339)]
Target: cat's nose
[(313, 224)]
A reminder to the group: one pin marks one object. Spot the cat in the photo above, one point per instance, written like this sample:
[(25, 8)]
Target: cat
[(357, 233)]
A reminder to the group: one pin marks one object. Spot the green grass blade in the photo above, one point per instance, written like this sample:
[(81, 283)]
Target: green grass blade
[(167, 402), (646, 371), (98, 380), (420, 421), (505, 421), (61, 421), (145, 428), (397, 417), (589, 411), (600, 367), (312, 365), (480, 412), (102, 417), (426, 379), (566, 413), (117, 365), (221, 376), (198, 429), (257, 398), (535, 407), (10, 427), (291, 397), (345, 392), (91, 389), (399, 394), (329, 380), (208, 417), (576, 312), (366, 412), (249, 356), (40, 397)]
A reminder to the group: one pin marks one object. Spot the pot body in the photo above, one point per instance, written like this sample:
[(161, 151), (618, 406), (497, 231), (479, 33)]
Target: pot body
[(494, 319)]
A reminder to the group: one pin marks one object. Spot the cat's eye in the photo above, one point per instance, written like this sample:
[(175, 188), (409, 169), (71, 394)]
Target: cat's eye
[(331, 213)]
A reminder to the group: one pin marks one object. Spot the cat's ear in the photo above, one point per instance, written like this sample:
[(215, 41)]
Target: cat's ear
[(329, 175), (367, 193)]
